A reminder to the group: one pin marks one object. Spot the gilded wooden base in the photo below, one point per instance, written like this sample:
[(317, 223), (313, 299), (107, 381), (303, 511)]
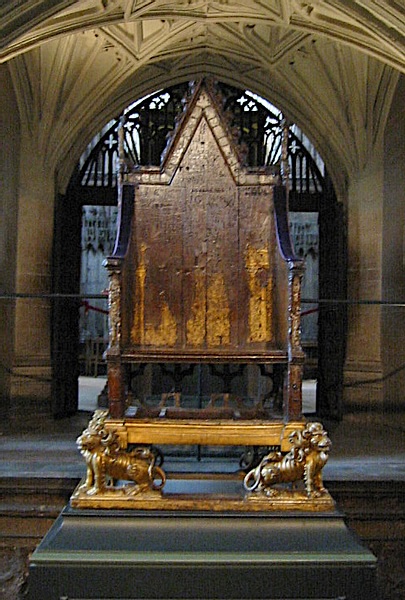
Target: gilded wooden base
[(222, 432), (124, 468), (127, 497)]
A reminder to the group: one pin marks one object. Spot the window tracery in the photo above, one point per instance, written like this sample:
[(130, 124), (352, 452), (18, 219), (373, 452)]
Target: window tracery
[(149, 122)]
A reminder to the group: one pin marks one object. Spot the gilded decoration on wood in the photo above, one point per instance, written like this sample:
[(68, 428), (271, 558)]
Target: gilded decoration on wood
[(210, 320), (200, 245), (304, 462), (107, 462), (218, 322), (260, 288), (204, 282), (164, 334), (138, 327), (118, 477), (114, 304), (295, 309), (196, 324)]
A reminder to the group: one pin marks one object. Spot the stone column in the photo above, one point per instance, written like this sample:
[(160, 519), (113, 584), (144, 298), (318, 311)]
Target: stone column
[(363, 371), (31, 385), (9, 162), (393, 317)]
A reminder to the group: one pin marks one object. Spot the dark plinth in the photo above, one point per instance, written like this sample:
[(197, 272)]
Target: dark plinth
[(133, 554)]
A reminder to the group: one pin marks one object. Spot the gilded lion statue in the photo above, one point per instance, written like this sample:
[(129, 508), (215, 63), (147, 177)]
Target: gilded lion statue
[(304, 462), (106, 462)]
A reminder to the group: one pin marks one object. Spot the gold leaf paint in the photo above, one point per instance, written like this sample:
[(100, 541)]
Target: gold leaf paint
[(218, 313), (196, 328), (138, 324), (166, 333), (260, 284)]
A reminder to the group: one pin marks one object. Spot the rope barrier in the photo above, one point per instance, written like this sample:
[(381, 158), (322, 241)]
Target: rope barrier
[(103, 296), (24, 375), (84, 302), (88, 307), (352, 384), (309, 312), (53, 296), (361, 382)]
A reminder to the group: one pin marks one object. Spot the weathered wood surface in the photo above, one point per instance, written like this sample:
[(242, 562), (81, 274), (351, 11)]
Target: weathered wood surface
[(202, 251)]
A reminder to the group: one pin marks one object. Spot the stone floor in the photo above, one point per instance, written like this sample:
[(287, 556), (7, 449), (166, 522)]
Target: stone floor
[(365, 447)]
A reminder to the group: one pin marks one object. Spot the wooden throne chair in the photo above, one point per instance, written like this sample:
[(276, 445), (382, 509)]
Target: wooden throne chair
[(203, 272)]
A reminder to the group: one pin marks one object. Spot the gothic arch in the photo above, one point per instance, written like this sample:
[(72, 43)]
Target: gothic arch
[(327, 64), (376, 30)]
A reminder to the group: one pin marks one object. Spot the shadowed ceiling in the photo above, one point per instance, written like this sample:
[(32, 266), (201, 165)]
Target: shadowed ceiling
[(331, 66)]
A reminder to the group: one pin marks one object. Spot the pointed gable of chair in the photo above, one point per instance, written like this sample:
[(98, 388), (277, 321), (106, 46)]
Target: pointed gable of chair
[(202, 262), (202, 124)]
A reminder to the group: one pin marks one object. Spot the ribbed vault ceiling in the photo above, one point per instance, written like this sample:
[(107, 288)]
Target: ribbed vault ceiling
[(375, 27), (330, 65)]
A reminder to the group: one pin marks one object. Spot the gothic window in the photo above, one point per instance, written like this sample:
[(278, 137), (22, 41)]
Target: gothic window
[(147, 124)]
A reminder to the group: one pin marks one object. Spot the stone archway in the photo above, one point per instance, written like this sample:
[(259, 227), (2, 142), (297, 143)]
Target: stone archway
[(332, 68)]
